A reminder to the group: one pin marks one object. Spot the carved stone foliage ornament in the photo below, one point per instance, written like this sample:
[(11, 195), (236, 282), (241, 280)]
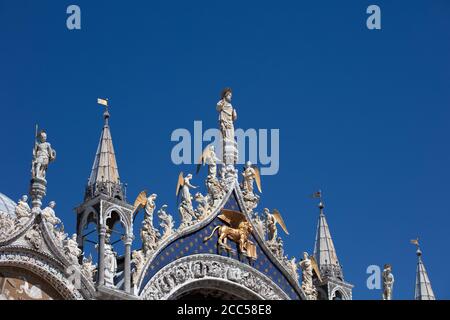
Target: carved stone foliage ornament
[(7, 226), (166, 222), (34, 237), (189, 269)]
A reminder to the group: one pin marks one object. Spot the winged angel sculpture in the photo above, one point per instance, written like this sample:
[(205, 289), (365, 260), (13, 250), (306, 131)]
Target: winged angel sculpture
[(309, 267), (238, 230), (272, 220), (186, 208)]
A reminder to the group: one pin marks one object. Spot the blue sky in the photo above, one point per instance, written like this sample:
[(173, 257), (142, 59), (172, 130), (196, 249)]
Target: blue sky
[(363, 115)]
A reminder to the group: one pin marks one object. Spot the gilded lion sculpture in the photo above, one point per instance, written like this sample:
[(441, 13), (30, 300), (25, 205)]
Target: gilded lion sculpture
[(238, 230)]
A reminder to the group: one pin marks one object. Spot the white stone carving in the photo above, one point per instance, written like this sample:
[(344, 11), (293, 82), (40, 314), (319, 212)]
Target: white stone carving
[(307, 277), (198, 267), (71, 249), (88, 268), (167, 223), (43, 154), (110, 260), (388, 282), (49, 215)]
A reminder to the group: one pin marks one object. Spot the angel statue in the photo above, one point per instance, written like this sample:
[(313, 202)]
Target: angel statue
[(167, 223), (212, 183), (272, 219), (237, 229), (309, 266), (186, 209), (43, 154), (150, 207), (388, 282), (209, 157), (184, 184), (251, 174), (227, 114)]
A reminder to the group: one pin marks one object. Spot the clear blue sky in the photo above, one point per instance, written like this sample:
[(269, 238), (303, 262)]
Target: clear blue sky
[(363, 115)]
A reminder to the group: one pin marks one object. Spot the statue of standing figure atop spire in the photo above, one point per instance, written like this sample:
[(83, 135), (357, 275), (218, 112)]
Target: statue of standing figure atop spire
[(43, 154), (227, 114), (227, 117)]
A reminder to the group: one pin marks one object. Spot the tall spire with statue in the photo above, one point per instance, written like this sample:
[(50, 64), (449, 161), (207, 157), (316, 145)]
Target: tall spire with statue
[(423, 289)]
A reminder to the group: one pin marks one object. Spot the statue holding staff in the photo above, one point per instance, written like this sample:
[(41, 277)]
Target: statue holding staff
[(43, 154)]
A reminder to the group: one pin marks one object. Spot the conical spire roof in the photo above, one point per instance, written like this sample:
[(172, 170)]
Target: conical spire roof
[(104, 176), (324, 251), (423, 285)]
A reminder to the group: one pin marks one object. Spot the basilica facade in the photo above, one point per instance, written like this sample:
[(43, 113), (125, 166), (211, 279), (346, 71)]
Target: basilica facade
[(222, 248)]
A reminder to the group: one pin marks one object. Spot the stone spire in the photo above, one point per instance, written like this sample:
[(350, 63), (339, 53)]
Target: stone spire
[(324, 251), (104, 176), (423, 285)]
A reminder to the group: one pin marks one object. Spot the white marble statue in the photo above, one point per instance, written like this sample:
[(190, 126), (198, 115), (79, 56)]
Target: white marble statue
[(149, 235), (60, 234), (388, 282), (249, 175), (23, 209), (138, 259), (88, 268), (292, 263), (271, 225), (227, 114), (260, 225), (150, 207), (43, 154), (203, 206), (185, 191), (211, 160), (167, 223), (307, 277), (186, 208), (49, 214), (71, 248), (110, 262)]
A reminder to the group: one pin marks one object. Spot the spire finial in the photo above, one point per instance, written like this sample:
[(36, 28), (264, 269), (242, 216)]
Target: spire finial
[(319, 195), (416, 243), (104, 102)]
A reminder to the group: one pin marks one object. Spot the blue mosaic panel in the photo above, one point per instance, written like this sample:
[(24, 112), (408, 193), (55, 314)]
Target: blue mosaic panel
[(193, 244)]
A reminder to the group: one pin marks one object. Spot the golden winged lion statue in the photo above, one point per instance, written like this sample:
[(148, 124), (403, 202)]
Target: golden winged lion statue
[(238, 230)]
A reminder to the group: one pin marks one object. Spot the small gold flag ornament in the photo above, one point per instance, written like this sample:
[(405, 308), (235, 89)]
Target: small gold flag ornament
[(415, 241), (103, 102)]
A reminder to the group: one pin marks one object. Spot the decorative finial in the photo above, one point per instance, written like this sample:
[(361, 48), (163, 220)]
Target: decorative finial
[(104, 102), (416, 243), (318, 195)]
